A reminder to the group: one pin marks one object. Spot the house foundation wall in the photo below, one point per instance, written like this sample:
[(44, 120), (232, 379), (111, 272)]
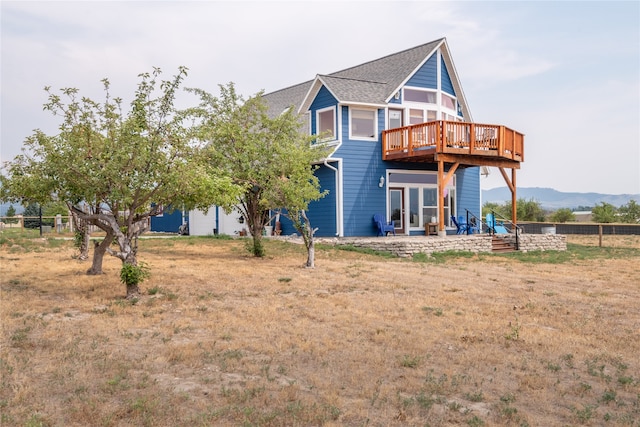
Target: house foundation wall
[(405, 247)]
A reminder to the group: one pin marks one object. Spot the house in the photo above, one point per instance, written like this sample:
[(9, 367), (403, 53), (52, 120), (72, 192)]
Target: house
[(199, 223), (403, 144)]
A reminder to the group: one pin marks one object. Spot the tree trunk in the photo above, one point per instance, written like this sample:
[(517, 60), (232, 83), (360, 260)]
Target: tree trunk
[(133, 291), (311, 254), (82, 227), (258, 249), (98, 254), (84, 244), (307, 234), (256, 224)]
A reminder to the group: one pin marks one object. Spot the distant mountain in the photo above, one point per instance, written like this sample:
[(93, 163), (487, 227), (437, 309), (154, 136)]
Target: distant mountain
[(553, 199)]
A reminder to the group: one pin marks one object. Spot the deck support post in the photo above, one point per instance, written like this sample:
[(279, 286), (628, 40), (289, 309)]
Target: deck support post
[(440, 196), (511, 183), (443, 180), (514, 210)]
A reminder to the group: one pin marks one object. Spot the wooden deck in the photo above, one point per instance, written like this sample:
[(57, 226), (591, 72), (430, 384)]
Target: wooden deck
[(471, 144)]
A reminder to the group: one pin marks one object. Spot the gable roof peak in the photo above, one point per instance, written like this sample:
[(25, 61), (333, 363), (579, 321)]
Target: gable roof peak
[(372, 82), (428, 47)]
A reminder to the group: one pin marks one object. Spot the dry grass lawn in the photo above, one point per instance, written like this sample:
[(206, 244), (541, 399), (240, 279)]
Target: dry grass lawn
[(220, 338)]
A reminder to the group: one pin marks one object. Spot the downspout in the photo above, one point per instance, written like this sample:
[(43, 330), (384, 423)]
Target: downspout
[(338, 172), (217, 220)]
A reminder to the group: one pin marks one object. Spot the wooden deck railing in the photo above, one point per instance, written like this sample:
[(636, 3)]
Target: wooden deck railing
[(462, 138)]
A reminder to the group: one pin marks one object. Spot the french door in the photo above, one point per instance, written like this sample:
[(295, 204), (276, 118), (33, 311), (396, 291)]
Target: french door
[(396, 205)]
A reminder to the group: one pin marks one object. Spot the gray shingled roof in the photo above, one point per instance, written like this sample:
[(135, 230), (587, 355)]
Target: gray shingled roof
[(373, 82), (282, 99)]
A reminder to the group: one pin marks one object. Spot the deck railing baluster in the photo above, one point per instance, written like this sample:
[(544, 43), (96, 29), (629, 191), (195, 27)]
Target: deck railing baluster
[(451, 137)]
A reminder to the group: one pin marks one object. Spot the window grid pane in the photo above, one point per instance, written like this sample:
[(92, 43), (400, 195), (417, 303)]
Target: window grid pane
[(413, 95), (448, 102), (326, 123), (416, 116), (363, 123)]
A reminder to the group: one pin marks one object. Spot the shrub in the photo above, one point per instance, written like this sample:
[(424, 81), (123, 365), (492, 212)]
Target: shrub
[(132, 275)]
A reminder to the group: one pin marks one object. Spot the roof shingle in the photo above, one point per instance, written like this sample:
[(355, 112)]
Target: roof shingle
[(373, 82)]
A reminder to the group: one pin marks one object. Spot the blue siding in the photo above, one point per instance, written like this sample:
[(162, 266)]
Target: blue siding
[(447, 86), (427, 75), (168, 222), (322, 213), (323, 99), (396, 101), (286, 227), (362, 168), (468, 191)]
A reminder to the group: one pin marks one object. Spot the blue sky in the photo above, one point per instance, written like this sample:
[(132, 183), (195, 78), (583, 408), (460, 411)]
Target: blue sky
[(567, 74)]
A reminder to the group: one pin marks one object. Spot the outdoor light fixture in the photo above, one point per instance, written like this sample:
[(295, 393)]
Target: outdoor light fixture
[(381, 182)]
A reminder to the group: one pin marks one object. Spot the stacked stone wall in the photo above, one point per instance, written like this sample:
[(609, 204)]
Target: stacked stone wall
[(407, 246), (538, 242)]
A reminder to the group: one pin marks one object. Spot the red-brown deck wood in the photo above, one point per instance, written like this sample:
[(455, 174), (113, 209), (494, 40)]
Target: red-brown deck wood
[(470, 144)]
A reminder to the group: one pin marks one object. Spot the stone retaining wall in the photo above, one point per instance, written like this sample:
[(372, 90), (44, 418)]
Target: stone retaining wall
[(407, 246), (538, 242)]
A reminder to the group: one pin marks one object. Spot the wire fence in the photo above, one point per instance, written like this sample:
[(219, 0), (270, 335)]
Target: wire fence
[(58, 223), (579, 228)]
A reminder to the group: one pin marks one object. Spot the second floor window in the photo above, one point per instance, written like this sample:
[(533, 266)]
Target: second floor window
[(326, 123), (417, 95), (448, 102), (363, 123)]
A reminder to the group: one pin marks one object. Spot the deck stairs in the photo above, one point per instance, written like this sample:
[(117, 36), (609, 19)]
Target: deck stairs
[(499, 245)]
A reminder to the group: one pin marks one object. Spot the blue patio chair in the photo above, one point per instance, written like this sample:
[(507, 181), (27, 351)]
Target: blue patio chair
[(491, 222), (473, 226), (495, 227), (460, 223), (384, 227), (466, 228)]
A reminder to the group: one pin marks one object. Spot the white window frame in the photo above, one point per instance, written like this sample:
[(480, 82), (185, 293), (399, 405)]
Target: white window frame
[(452, 185), (438, 106), (419, 89), (335, 120), (375, 124), (412, 116), (446, 110), (400, 109)]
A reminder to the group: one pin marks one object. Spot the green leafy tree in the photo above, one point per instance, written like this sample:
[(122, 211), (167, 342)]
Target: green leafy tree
[(268, 157), (31, 215), (583, 208), (490, 207), (11, 212), (563, 215), (113, 168), (298, 187), (629, 213), (527, 210), (604, 212)]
